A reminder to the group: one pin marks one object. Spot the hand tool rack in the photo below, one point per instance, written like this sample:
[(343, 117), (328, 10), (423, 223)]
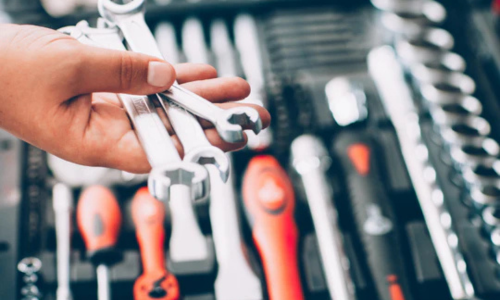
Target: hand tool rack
[(297, 70)]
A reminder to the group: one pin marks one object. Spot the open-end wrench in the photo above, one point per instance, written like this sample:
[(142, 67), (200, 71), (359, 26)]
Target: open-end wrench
[(230, 123), (168, 168), (62, 201)]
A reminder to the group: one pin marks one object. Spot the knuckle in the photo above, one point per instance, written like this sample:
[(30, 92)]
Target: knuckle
[(127, 71)]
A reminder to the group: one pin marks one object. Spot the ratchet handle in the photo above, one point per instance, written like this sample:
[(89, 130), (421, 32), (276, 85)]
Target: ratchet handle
[(269, 200), (99, 219), (373, 214), (156, 282)]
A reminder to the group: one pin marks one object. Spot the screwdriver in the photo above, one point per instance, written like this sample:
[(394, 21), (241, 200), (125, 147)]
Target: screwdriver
[(62, 200), (269, 200), (371, 206), (99, 218), (156, 282)]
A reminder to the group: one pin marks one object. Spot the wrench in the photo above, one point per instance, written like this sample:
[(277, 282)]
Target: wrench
[(167, 167), (229, 123)]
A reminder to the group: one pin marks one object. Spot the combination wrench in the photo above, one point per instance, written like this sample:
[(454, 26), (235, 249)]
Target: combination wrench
[(168, 169), (229, 123)]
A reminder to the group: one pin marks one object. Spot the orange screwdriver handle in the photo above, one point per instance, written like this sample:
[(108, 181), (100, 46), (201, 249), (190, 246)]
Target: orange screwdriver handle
[(156, 282), (99, 219), (269, 199)]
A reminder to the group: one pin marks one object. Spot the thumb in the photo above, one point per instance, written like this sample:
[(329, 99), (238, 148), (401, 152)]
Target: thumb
[(103, 70)]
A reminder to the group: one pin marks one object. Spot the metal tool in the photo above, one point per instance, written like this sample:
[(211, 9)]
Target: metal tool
[(372, 209), (470, 130), (409, 17), (99, 219), (229, 123), (491, 216), (188, 246), (453, 112), (248, 46), (62, 201), (431, 72), (472, 155), (193, 42), (397, 100), (482, 174), (168, 168), (30, 267), (269, 200), (155, 282), (426, 47), (167, 42), (485, 195), (311, 161), (235, 276), (222, 47)]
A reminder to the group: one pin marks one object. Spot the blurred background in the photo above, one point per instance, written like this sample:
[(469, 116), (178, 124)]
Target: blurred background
[(378, 179)]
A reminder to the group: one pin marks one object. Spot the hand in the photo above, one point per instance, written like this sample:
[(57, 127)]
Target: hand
[(58, 95)]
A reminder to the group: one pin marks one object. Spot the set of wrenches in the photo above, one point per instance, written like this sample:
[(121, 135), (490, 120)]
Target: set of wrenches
[(126, 21)]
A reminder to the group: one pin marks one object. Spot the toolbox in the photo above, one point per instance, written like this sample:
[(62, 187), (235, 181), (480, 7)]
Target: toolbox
[(378, 179)]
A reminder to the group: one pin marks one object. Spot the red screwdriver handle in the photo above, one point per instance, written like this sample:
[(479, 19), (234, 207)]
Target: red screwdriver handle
[(99, 219), (156, 282), (269, 199)]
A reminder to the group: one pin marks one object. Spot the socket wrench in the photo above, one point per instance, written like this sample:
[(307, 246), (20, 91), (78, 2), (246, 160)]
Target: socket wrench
[(482, 174), (439, 70), (229, 123), (452, 112), (470, 155), (486, 195)]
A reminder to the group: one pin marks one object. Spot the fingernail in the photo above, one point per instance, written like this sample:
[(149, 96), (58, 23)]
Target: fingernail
[(158, 73)]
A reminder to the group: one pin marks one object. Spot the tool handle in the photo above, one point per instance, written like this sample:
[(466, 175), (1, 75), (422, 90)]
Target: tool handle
[(148, 215), (373, 214), (156, 282), (99, 218), (269, 200)]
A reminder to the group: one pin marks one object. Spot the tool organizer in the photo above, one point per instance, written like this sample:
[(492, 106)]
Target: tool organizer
[(304, 45)]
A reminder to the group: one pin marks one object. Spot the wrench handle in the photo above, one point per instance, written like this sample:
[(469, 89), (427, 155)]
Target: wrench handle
[(374, 216), (138, 35), (186, 126), (269, 199)]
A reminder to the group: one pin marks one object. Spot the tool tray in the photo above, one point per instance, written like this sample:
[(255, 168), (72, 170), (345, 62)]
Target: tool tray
[(296, 74)]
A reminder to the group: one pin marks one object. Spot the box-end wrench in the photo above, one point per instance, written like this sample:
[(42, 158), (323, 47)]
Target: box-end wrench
[(230, 123), (168, 168), (62, 201)]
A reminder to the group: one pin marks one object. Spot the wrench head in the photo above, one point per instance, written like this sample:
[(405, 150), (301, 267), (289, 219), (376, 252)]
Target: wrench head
[(112, 11), (234, 120), (210, 155), (185, 173)]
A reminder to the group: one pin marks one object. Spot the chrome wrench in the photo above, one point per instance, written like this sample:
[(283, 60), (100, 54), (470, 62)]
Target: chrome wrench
[(229, 123), (168, 168)]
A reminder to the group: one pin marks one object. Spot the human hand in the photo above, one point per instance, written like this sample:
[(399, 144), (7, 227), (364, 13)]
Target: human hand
[(58, 95)]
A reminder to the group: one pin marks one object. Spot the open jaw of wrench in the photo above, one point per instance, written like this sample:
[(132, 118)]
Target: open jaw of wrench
[(197, 148), (168, 168), (229, 123)]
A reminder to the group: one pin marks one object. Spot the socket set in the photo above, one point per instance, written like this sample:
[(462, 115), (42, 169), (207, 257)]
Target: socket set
[(378, 179)]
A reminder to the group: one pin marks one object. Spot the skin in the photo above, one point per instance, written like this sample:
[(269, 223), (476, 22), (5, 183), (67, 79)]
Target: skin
[(59, 95)]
